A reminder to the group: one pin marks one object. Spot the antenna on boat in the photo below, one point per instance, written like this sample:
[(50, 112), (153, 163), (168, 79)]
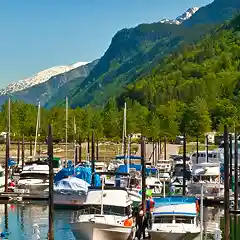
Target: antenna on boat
[(37, 128), (66, 132)]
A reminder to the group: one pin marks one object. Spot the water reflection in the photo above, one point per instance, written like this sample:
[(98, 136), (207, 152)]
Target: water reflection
[(19, 220), (22, 227)]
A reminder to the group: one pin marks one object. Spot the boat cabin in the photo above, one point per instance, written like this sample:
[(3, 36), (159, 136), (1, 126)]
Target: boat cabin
[(35, 172), (113, 200), (181, 213), (213, 157)]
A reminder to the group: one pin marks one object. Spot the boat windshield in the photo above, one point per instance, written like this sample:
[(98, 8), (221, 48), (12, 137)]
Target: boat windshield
[(174, 219), (107, 210), (33, 175)]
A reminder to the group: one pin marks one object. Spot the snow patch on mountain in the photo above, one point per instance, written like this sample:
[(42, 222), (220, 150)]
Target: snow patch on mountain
[(38, 78), (180, 19)]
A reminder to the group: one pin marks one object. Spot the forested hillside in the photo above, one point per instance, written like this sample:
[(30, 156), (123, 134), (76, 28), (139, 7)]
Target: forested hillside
[(193, 91), (200, 83), (134, 52)]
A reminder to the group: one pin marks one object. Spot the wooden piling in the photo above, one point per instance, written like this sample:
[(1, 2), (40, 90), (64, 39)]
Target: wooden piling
[(97, 150), (76, 154), (51, 176), (235, 171), (230, 159), (207, 147), (226, 185), (130, 149), (18, 151), (23, 153), (160, 145), (165, 147), (80, 150), (93, 159), (88, 148), (143, 175), (153, 153), (6, 217), (184, 163), (31, 149), (6, 162), (197, 150)]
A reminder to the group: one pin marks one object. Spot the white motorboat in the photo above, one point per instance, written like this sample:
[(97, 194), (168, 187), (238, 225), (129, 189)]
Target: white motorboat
[(154, 184), (33, 178), (100, 166), (175, 221), (209, 174), (212, 157), (104, 214), (2, 179), (70, 192), (164, 165)]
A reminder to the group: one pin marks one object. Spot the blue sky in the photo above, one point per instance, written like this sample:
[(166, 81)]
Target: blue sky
[(36, 35)]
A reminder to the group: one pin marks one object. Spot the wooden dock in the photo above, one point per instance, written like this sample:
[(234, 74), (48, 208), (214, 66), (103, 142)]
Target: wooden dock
[(14, 196)]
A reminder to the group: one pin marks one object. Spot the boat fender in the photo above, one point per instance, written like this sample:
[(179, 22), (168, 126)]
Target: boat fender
[(127, 222), (197, 207)]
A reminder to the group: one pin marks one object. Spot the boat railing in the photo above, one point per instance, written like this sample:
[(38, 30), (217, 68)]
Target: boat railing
[(77, 216)]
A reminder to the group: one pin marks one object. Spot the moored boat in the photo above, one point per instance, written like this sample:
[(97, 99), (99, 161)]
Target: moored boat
[(105, 211), (175, 218)]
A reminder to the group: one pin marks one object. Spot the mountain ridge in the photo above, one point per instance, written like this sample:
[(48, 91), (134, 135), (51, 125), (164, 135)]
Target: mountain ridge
[(57, 85), (134, 52), (38, 78), (183, 17)]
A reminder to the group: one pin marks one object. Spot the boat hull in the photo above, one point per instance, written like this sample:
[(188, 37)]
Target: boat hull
[(157, 235), (72, 200), (100, 231)]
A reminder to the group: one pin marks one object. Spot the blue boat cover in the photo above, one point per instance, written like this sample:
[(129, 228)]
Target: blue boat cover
[(123, 168), (84, 173), (11, 162)]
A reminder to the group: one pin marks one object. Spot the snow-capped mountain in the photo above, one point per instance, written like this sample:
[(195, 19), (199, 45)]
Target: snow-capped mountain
[(38, 78), (186, 15)]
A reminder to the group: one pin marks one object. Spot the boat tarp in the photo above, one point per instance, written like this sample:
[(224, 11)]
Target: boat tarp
[(11, 162), (71, 183), (174, 200), (84, 173), (123, 168)]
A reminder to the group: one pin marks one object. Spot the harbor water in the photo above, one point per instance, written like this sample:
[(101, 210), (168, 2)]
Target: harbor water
[(21, 220)]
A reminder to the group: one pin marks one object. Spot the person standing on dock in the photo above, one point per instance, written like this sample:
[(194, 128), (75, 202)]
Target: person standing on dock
[(141, 224), (149, 209)]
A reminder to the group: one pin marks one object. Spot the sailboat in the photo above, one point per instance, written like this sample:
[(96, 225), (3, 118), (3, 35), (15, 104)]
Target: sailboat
[(104, 214), (34, 177)]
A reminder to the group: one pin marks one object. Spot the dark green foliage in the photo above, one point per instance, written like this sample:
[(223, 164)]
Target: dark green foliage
[(134, 52), (203, 80)]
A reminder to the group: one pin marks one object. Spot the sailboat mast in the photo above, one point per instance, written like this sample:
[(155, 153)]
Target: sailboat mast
[(74, 142), (9, 122), (66, 137), (36, 135), (124, 149)]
